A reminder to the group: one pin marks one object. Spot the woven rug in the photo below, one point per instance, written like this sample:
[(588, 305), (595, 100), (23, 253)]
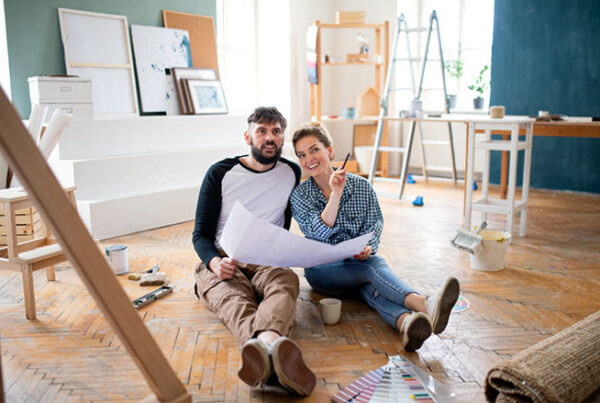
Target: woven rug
[(562, 368)]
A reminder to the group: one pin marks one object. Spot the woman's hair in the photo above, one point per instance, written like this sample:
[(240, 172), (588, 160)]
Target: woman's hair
[(316, 129)]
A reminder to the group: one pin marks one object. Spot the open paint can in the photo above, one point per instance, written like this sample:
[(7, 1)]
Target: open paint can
[(117, 258), (491, 256)]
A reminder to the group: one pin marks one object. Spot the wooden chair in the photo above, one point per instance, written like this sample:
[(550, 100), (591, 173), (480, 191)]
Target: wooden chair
[(29, 245)]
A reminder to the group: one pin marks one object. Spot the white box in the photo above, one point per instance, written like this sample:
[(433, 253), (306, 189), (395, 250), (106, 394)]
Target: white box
[(70, 94), (60, 90)]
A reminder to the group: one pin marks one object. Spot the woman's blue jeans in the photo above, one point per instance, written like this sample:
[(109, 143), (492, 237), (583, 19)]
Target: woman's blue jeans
[(372, 279)]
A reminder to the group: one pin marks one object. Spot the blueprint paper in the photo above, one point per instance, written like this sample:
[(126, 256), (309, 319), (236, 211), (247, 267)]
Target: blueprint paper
[(251, 240)]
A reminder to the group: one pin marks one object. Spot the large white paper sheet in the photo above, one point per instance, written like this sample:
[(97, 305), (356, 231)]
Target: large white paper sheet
[(251, 240)]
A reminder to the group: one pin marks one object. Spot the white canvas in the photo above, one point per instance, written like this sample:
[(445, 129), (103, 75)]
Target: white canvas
[(156, 49), (96, 46)]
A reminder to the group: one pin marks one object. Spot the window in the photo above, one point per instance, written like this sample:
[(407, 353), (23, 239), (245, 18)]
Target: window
[(466, 29), (236, 46)]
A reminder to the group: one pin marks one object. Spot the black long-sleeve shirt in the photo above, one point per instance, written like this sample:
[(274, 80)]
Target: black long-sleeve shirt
[(266, 194)]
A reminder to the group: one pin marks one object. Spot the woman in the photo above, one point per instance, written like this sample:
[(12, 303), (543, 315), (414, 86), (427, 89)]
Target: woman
[(332, 206)]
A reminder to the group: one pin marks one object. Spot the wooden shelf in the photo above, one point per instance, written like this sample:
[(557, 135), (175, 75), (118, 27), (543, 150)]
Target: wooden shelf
[(352, 64), (359, 26), (380, 49)]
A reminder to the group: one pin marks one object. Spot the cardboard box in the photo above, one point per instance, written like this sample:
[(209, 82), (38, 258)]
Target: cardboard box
[(357, 58), (349, 17)]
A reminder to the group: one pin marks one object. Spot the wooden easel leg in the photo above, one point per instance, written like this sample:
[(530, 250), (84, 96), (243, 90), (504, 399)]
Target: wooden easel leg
[(50, 273), (24, 157), (1, 380), (28, 294)]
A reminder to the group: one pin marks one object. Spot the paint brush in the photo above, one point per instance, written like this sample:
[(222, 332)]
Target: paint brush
[(346, 160)]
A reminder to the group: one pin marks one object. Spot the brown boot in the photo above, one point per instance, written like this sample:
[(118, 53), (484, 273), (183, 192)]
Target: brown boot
[(256, 365), (292, 371)]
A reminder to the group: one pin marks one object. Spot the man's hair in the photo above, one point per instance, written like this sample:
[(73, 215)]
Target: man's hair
[(267, 114), (316, 129)]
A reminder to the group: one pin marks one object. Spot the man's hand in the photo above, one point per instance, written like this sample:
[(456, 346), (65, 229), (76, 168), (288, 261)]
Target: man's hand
[(364, 255), (224, 267)]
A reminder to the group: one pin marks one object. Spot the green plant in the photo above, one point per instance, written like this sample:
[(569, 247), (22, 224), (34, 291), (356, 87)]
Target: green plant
[(454, 68), (481, 83)]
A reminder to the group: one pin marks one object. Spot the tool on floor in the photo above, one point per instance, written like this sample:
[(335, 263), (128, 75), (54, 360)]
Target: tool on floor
[(152, 296), (469, 241), (153, 277)]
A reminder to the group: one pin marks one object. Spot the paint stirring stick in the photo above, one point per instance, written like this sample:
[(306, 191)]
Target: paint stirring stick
[(346, 160)]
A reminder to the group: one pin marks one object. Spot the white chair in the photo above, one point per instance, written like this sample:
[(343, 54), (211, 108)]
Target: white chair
[(509, 206)]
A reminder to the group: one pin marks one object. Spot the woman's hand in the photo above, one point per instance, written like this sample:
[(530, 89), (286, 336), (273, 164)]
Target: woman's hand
[(224, 267), (364, 255), (337, 181)]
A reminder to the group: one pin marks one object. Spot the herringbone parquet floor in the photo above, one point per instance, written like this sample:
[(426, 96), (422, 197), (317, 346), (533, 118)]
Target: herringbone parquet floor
[(551, 280)]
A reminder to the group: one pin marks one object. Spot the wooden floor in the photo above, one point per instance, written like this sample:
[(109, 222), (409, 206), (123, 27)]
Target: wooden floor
[(551, 280)]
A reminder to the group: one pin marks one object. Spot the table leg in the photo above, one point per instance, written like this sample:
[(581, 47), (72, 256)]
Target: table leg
[(504, 171)]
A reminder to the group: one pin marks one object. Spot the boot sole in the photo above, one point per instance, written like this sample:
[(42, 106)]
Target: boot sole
[(255, 366), (450, 293), (292, 371), (417, 332)]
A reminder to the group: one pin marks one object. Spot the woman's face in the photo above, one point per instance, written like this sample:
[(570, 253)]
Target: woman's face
[(314, 156)]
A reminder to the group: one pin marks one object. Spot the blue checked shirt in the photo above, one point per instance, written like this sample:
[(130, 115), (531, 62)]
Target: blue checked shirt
[(358, 214)]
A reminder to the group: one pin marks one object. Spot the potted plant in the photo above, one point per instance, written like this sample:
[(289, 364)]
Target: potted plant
[(454, 68), (479, 86)]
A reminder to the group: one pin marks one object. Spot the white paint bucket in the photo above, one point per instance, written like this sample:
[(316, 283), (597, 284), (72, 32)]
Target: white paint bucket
[(491, 256), (363, 155), (117, 257)]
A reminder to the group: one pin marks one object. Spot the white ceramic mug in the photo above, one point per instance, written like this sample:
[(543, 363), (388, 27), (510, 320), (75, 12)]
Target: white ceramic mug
[(331, 310), (117, 257)]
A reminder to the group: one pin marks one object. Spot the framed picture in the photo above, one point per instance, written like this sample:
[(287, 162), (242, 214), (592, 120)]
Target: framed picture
[(181, 73), (207, 96)]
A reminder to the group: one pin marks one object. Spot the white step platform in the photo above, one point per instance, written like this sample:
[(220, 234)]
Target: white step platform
[(138, 173)]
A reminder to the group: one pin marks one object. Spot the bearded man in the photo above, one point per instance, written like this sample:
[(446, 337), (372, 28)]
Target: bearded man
[(256, 303)]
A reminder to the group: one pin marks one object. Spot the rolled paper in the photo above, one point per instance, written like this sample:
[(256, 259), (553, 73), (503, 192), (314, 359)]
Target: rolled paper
[(57, 124), (497, 112), (38, 111)]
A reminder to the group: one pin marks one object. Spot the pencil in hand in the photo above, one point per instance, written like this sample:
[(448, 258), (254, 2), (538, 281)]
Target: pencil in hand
[(346, 160)]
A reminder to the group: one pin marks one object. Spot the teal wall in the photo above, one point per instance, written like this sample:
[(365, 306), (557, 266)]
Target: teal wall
[(33, 33), (546, 56)]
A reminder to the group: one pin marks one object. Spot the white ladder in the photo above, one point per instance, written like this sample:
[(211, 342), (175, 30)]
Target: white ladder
[(402, 27)]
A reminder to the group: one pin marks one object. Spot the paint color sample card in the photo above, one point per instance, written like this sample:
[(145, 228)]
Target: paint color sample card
[(396, 381)]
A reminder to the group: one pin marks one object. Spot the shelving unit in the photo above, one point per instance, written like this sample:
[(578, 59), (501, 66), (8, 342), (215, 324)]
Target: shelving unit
[(380, 53)]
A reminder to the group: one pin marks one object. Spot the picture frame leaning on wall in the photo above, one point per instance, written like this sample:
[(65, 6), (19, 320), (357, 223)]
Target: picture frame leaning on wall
[(207, 97), (182, 73)]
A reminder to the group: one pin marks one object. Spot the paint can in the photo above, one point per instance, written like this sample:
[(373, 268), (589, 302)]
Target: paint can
[(117, 258), (491, 256)]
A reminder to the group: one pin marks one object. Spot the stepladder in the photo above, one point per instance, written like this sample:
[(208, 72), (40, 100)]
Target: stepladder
[(393, 85)]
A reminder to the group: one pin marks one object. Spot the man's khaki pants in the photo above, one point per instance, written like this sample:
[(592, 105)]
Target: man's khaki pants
[(257, 298)]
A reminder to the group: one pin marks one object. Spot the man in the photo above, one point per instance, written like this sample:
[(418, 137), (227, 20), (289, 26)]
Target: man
[(256, 303)]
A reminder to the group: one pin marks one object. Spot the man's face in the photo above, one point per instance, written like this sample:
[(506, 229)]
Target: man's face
[(266, 141)]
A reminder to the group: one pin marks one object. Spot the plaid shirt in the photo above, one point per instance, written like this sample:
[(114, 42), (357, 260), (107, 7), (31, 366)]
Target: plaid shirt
[(358, 213)]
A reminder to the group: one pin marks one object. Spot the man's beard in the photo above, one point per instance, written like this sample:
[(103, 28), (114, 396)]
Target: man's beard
[(258, 156)]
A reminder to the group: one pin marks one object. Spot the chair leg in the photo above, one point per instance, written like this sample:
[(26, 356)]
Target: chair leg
[(50, 273), (28, 295)]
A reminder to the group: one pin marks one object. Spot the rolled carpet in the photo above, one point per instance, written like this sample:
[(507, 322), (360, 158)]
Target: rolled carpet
[(562, 368)]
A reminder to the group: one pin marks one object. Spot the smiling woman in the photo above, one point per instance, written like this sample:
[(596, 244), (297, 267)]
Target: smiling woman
[(332, 207)]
